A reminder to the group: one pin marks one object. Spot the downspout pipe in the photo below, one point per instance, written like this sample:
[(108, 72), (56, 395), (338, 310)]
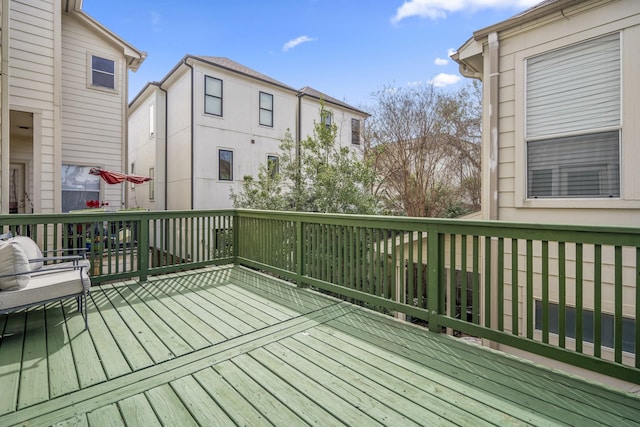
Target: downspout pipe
[(494, 81), (193, 119)]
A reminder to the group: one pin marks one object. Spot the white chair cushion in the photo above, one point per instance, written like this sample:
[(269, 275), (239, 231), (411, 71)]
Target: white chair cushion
[(31, 249), (13, 259)]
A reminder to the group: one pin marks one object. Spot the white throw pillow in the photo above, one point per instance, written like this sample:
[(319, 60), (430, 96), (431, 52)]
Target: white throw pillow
[(31, 249), (13, 259)]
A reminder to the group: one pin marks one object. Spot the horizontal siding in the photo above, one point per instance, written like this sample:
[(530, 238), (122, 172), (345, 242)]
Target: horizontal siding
[(92, 119)]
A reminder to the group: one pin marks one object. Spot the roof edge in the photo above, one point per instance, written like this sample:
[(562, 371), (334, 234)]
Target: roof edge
[(535, 12)]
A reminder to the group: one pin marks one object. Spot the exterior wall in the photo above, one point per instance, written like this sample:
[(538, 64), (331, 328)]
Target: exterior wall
[(92, 118), (146, 147), (583, 21), (586, 21), (32, 53), (179, 150), (310, 113), (237, 130)]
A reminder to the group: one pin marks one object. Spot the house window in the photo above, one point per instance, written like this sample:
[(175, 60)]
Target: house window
[(273, 165), (355, 131), (212, 96), (103, 72), (266, 109), (152, 187), (78, 187), (327, 119), (573, 121), (225, 165), (607, 322), (152, 120)]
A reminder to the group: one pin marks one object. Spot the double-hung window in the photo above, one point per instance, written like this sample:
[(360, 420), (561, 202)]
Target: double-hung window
[(355, 131), (103, 72), (225, 165), (573, 125), (212, 96), (327, 118), (266, 109)]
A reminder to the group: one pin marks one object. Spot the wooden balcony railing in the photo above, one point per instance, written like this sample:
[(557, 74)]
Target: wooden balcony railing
[(565, 292)]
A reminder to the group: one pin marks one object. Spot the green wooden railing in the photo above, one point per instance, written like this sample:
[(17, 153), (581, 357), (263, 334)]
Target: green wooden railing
[(565, 292)]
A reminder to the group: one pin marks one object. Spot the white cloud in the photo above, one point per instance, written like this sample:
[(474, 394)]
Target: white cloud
[(441, 61), (295, 42), (436, 9), (450, 52), (442, 80)]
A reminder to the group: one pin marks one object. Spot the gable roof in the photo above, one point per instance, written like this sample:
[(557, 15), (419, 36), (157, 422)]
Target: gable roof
[(313, 93), (228, 64), (134, 56)]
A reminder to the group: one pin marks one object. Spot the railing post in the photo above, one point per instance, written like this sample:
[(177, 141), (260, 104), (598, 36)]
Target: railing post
[(299, 251), (235, 227), (143, 248), (434, 260)]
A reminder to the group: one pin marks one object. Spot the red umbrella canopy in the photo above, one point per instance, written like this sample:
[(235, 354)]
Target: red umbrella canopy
[(116, 177)]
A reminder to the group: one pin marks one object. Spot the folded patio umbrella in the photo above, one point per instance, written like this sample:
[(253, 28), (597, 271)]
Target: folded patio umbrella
[(117, 177)]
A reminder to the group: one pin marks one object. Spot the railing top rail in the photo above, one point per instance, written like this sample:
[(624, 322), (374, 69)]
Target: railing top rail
[(605, 234)]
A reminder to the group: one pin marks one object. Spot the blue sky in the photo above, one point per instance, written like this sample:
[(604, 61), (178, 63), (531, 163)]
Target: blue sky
[(347, 49)]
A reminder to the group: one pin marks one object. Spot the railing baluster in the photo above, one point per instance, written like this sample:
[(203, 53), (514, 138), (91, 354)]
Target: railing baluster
[(545, 291), (463, 277), (617, 332), (453, 281), (500, 301), (514, 287), (579, 298), (488, 260), (562, 296), (475, 281), (597, 298), (528, 306)]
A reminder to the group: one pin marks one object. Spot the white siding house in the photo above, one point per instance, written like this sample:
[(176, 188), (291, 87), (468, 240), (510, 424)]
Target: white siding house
[(212, 121), (63, 106)]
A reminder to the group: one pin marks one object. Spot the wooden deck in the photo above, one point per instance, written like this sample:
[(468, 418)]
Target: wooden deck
[(228, 346)]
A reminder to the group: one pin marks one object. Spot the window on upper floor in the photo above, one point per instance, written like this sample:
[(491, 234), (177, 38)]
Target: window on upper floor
[(225, 165), (273, 165), (266, 109), (212, 96), (573, 121), (355, 131), (103, 73), (79, 187)]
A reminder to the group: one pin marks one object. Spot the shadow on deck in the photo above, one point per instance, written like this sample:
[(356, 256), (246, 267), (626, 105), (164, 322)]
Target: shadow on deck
[(229, 346)]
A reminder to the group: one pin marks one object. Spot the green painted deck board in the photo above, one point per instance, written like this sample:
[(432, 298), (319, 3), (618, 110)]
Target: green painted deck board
[(155, 354), (137, 411), (62, 379), (575, 394)]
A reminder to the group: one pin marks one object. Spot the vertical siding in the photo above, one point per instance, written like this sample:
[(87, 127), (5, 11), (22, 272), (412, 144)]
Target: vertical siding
[(91, 118)]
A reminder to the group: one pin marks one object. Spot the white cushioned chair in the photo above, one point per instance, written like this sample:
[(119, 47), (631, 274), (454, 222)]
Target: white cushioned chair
[(28, 278)]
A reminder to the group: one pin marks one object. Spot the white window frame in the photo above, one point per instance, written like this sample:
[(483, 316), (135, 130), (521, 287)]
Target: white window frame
[(90, 70), (628, 190)]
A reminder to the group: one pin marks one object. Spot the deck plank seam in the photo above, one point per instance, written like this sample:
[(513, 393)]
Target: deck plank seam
[(134, 382)]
